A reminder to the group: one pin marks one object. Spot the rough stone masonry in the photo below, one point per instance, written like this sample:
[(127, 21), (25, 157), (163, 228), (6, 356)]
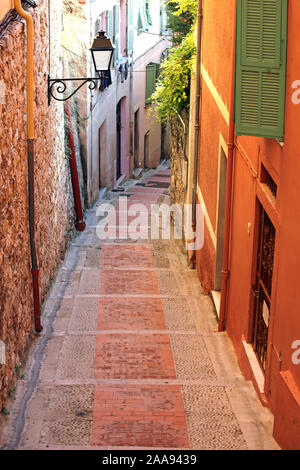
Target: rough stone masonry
[(54, 216)]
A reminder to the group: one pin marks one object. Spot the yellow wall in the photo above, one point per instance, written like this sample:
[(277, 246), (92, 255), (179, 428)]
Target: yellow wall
[(5, 6)]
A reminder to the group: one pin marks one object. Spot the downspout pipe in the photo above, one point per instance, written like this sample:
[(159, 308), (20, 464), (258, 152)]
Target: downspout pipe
[(30, 152), (197, 124), (229, 190), (80, 224)]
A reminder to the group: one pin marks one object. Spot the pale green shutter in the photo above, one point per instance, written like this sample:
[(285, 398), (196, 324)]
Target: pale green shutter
[(143, 17), (117, 32), (148, 15), (162, 12), (152, 73), (109, 22), (261, 67), (130, 27)]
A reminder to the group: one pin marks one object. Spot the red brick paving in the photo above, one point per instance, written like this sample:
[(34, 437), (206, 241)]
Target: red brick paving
[(145, 196), (123, 218), (135, 207), (124, 282), (127, 256), (131, 314), (134, 357), (130, 415), (145, 190), (142, 198), (142, 416)]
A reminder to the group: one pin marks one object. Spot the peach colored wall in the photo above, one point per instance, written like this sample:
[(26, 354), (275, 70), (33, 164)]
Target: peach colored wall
[(212, 124), (217, 37)]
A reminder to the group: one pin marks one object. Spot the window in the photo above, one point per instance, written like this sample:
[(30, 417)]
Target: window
[(149, 20), (144, 17), (130, 27), (152, 73), (261, 67), (268, 181)]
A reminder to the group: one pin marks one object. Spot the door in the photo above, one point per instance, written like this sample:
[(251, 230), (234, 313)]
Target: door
[(102, 157), (146, 149), (263, 286), (220, 219), (119, 131), (136, 139), (162, 143)]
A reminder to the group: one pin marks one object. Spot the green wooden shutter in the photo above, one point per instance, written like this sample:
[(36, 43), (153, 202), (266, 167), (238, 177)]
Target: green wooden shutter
[(261, 67), (150, 81), (152, 73)]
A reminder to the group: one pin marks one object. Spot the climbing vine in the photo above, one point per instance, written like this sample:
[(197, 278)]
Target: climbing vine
[(173, 86)]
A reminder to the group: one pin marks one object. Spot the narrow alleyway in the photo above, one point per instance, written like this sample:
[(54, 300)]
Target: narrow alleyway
[(129, 356)]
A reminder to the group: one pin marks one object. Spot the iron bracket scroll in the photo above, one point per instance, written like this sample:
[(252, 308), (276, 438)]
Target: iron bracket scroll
[(59, 86)]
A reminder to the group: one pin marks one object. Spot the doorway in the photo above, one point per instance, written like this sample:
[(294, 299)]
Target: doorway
[(102, 156), (119, 138), (163, 153), (146, 149), (220, 218), (263, 285), (136, 139)]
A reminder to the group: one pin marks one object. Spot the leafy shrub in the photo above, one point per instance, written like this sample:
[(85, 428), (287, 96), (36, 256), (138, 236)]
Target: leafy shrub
[(173, 86)]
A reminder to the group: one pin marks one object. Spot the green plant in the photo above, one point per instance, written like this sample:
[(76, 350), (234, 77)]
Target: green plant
[(172, 93), (5, 411), (12, 393), (180, 18)]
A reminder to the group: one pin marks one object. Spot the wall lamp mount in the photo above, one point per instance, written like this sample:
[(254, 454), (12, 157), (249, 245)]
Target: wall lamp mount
[(102, 51)]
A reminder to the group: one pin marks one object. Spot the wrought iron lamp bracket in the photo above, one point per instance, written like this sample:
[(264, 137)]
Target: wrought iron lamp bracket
[(59, 86)]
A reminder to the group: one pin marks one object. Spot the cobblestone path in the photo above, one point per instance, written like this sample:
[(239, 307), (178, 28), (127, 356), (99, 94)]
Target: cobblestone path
[(129, 356)]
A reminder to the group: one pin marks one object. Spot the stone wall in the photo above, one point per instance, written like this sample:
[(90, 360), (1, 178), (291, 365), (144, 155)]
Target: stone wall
[(178, 159), (54, 203)]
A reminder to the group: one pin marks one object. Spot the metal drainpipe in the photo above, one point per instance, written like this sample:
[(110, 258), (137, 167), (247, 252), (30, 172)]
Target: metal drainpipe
[(30, 150), (228, 207), (197, 123), (80, 224)]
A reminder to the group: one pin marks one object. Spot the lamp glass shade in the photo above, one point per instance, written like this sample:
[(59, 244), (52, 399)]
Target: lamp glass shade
[(102, 60), (102, 51)]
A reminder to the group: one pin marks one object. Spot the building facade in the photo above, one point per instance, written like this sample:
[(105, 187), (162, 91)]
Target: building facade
[(121, 135), (250, 68)]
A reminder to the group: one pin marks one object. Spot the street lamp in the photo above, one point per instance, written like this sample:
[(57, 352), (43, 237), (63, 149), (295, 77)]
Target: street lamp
[(102, 51)]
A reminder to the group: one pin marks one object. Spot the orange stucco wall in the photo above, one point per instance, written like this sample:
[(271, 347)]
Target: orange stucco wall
[(5, 6), (283, 164)]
